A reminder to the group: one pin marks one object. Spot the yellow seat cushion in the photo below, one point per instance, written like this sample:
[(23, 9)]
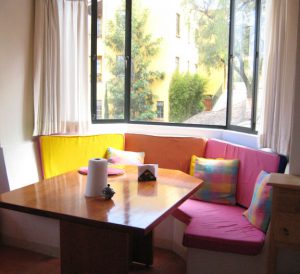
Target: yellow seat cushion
[(60, 153)]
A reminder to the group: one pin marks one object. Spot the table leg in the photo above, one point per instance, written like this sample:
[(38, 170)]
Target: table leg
[(142, 248), (272, 258), (88, 249)]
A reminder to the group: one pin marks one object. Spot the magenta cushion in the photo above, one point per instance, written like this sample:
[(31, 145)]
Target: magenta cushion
[(219, 227), (251, 163)]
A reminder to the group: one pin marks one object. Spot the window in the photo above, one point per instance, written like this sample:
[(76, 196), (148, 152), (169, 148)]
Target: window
[(189, 31), (107, 60), (242, 78), (177, 24), (120, 64), (160, 109), (177, 63), (99, 27), (142, 72), (99, 68), (99, 109)]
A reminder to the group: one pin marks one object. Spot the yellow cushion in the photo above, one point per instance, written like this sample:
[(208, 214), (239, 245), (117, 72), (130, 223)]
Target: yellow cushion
[(192, 166), (60, 154)]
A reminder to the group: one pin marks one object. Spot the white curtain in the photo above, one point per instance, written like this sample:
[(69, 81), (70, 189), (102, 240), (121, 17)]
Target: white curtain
[(61, 97), (280, 66)]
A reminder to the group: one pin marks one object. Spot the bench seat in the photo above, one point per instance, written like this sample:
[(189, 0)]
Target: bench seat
[(219, 227)]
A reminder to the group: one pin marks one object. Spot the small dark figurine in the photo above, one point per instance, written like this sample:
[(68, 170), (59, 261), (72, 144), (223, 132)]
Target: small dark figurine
[(147, 175), (108, 192)]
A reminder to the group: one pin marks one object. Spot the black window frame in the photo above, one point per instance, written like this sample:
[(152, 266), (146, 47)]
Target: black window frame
[(128, 71)]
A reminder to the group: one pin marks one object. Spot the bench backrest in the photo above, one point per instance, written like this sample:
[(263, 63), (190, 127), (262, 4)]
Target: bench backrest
[(167, 152), (60, 154), (252, 161)]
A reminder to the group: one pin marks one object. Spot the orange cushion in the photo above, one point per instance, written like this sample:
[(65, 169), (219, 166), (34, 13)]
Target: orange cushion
[(167, 152)]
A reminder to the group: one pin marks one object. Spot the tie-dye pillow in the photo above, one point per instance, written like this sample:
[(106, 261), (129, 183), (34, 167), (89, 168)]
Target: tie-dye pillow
[(219, 176), (122, 157), (259, 211)]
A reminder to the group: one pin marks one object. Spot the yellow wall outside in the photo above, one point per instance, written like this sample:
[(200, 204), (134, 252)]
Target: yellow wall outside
[(162, 24)]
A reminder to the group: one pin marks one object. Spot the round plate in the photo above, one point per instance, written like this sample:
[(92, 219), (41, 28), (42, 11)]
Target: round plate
[(110, 171)]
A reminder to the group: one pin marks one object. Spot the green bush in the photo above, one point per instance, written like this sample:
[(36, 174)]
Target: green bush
[(185, 96)]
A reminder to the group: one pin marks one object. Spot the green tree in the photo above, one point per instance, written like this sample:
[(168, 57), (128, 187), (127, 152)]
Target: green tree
[(185, 96), (143, 49)]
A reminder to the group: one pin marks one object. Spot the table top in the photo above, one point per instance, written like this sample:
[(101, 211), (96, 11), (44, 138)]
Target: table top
[(284, 181), (135, 205)]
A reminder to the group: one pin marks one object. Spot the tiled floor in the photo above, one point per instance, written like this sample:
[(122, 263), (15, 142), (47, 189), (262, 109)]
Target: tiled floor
[(18, 261)]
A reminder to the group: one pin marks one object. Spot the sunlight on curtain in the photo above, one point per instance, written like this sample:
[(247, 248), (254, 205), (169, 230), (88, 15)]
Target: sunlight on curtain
[(61, 97), (280, 66)]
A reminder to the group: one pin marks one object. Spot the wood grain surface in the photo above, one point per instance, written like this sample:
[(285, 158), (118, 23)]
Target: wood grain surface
[(139, 206)]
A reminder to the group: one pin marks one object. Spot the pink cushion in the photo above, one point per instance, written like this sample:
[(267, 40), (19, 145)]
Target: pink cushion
[(252, 162), (219, 227)]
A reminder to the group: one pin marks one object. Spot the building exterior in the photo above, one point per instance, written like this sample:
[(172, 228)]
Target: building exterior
[(177, 49)]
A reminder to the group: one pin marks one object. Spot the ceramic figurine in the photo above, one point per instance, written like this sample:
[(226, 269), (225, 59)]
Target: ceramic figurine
[(108, 192)]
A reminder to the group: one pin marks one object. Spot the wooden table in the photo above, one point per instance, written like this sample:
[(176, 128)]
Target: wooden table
[(104, 236)]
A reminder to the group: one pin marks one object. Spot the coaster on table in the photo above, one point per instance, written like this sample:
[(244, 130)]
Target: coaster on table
[(110, 171)]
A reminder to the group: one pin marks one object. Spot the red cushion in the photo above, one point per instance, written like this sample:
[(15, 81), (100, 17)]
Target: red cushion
[(219, 227), (252, 162)]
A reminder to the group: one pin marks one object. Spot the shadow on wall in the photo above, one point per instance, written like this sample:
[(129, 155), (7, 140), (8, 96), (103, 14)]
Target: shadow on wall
[(4, 186)]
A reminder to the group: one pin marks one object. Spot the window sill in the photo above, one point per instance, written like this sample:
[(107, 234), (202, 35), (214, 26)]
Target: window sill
[(241, 138)]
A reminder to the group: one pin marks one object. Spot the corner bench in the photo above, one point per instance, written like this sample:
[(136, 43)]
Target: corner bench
[(219, 230), (222, 227), (216, 228)]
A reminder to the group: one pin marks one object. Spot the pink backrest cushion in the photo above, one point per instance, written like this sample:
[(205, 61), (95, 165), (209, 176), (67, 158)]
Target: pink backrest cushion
[(252, 162)]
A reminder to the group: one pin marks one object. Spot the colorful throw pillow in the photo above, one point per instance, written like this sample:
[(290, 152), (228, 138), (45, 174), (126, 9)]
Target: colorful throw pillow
[(259, 211), (219, 176), (121, 157), (193, 163)]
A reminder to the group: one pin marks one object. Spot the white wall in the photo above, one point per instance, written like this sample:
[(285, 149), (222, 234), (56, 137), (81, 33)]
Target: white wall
[(16, 126), (4, 185), (16, 91)]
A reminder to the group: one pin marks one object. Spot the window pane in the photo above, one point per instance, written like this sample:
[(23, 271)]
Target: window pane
[(110, 59), (243, 62), (160, 109), (260, 64), (179, 52)]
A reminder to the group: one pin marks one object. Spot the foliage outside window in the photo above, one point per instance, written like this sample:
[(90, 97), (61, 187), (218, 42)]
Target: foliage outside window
[(138, 66), (185, 97)]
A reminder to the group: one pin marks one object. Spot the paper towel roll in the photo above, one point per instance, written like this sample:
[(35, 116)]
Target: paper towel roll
[(96, 178)]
